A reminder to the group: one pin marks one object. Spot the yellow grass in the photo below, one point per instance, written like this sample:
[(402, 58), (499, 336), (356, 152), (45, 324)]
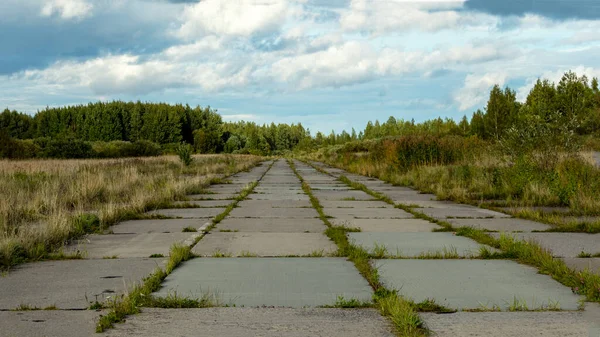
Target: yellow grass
[(41, 198)]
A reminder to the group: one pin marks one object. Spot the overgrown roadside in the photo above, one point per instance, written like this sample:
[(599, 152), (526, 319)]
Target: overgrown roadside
[(47, 203), (584, 283), (141, 295), (401, 312)]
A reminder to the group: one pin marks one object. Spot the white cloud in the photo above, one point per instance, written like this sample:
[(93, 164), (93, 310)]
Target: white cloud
[(476, 88), (355, 62), (239, 117), (120, 74), (400, 15), (67, 9), (202, 48), (234, 18), (111, 74)]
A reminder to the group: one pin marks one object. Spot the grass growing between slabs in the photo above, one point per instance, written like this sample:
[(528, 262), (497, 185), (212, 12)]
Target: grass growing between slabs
[(141, 295), (402, 313), (487, 177), (47, 202), (583, 283)]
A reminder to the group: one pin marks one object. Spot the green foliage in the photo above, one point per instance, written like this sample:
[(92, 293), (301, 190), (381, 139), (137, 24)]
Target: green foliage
[(63, 148), (118, 149), (184, 151), (87, 223), (16, 148), (501, 112), (552, 117)]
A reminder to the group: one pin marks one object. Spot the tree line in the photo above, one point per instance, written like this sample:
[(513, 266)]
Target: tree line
[(570, 107), (113, 129), (105, 129)]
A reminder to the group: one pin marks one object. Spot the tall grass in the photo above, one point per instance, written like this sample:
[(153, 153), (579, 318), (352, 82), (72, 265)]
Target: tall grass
[(469, 170), (46, 202)]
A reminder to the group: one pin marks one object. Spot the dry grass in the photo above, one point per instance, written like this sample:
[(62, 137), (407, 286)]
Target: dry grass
[(42, 199)]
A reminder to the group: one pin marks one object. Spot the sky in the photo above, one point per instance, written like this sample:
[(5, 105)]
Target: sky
[(328, 64)]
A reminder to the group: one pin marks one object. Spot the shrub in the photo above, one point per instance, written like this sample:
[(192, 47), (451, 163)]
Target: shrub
[(64, 148), (87, 223), (118, 149), (16, 148), (170, 148), (184, 151), (145, 148)]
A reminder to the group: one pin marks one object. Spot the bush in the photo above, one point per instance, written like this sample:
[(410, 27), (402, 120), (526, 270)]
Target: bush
[(16, 148), (184, 151), (118, 149), (145, 148), (170, 148), (64, 148), (406, 152), (87, 223)]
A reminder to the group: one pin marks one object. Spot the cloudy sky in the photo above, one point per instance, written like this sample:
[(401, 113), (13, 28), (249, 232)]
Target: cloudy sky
[(329, 64)]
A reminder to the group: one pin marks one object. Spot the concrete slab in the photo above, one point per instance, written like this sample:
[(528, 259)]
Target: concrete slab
[(563, 244), (226, 190), (288, 213), (508, 324), (367, 213), (271, 225), (189, 213), (412, 199), (500, 224), (388, 225), (279, 282), (264, 322), (43, 323), (580, 264), (342, 195), (264, 244), (278, 190), (460, 212), (67, 283), (354, 204), (260, 204), (127, 245), (282, 181), (473, 284), (328, 187), (206, 203), (415, 244), (156, 226), (213, 196), (277, 196)]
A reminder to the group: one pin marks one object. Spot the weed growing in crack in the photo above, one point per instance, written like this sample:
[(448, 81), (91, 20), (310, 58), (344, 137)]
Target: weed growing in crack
[(379, 251), (429, 305), (401, 312), (174, 301), (246, 253), (130, 302), (444, 253), (218, 253), (344, 303)]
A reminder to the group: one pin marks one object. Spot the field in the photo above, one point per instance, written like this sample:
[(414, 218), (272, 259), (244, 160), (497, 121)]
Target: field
[(47, 202)]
